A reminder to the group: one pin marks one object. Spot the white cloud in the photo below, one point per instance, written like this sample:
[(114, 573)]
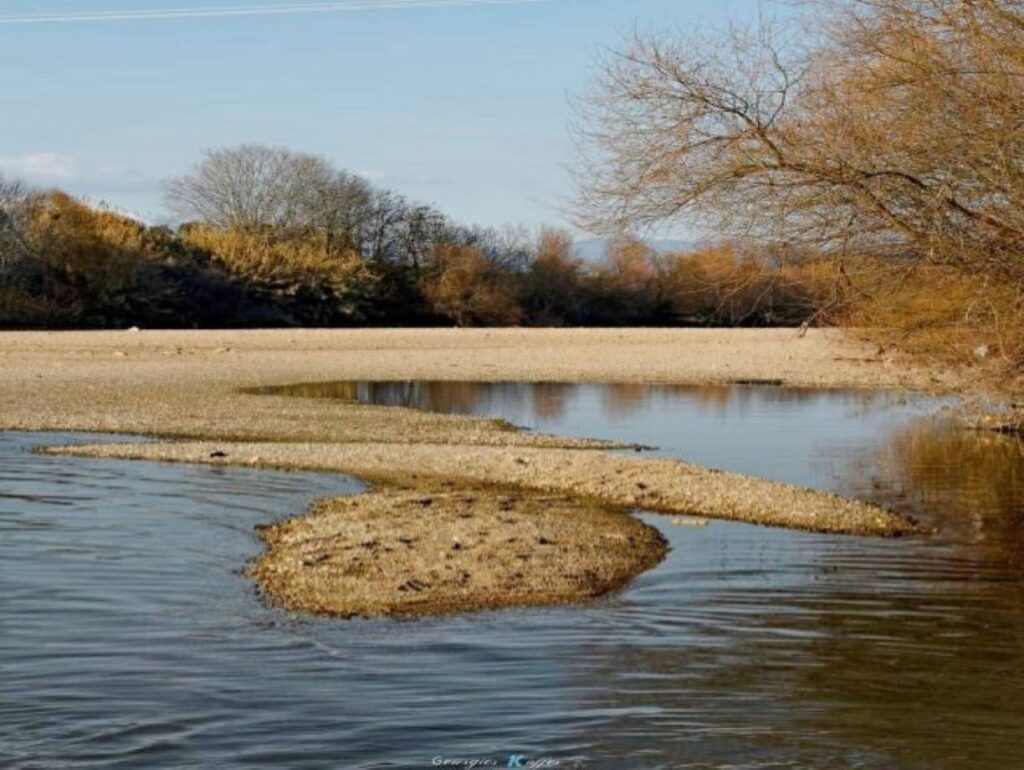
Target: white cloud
[(38, 166)]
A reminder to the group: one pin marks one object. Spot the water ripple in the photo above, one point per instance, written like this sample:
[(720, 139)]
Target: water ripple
[(129, 639)]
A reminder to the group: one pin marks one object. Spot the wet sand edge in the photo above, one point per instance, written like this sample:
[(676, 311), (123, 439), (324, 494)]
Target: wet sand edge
[(438, 534), (411, 553), (187, 386)]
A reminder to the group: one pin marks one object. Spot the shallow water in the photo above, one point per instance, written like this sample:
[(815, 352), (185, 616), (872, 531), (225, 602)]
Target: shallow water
[(129, 639)]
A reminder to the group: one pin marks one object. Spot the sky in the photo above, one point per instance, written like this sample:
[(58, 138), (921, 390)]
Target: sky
[(464, 104)]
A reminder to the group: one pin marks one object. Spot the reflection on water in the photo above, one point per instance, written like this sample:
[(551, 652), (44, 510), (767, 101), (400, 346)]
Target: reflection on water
[(130, 640), (890, 654), (799, 435), (970, 483), (885, 446), (551, 402)]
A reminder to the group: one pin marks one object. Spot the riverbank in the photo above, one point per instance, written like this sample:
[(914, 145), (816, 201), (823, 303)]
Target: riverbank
[(188, 386)]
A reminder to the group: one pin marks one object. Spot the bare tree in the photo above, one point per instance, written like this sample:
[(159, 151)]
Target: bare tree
[(253, 186), (335, 206), (899, 130), (399, 232), (15, 204), (281, 194)]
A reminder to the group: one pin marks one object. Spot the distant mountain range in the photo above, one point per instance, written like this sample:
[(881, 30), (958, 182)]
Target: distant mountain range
[(593, 249)]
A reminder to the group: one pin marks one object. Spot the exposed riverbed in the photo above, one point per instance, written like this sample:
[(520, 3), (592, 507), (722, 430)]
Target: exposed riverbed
[(130, 638)]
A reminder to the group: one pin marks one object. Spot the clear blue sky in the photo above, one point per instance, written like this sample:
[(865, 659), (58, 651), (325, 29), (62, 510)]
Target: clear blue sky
[(460, 105)]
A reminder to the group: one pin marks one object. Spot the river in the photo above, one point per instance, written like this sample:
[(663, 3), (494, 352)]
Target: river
[(129, 638)]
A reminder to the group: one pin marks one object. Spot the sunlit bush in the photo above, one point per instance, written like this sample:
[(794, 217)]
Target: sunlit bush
[(464, 286), (721, 285), (554, 291), (87, 261), (943, 313), (316, 287)]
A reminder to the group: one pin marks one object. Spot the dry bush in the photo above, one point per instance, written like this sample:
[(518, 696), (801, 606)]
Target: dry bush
[(629, 264), (941, 312), (78, 266), (553, 291), (85, 241), (624, 286), (463, 285), (84, 261), (20, 308), (295, 272), (724, 285), (81, 266)]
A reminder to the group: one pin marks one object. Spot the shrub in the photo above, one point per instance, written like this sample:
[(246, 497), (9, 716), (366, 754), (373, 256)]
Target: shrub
[(943, 313), (463, 285), (293, 273), (86, 261), (722, 286), (553, 286)]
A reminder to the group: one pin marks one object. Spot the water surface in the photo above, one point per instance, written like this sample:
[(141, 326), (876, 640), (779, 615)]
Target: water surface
[(129, 638), (789, 434)]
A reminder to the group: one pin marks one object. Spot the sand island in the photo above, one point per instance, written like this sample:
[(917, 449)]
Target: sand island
[(462, 513)]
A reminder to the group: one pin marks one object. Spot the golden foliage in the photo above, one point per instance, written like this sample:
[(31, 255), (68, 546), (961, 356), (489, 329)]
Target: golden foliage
[(942, 312), (467, 288), (90, 247), (324, 287), (721, 285), (553, 284), (895, 133), (267, 257)]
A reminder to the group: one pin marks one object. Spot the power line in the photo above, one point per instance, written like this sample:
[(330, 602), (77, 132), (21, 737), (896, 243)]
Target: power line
[(338, 6)]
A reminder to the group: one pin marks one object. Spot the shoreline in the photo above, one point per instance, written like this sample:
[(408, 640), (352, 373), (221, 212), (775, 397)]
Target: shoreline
[(658, 485), (188, 387)]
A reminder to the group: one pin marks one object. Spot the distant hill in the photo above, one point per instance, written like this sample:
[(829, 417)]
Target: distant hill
[(593, 249)]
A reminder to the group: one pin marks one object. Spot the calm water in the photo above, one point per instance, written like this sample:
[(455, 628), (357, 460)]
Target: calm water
[(128, 638)]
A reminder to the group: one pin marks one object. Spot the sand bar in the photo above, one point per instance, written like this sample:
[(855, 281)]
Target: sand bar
[(187, 386)]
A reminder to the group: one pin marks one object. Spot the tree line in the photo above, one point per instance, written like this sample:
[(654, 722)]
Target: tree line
[(272, 237), (862, 163)]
